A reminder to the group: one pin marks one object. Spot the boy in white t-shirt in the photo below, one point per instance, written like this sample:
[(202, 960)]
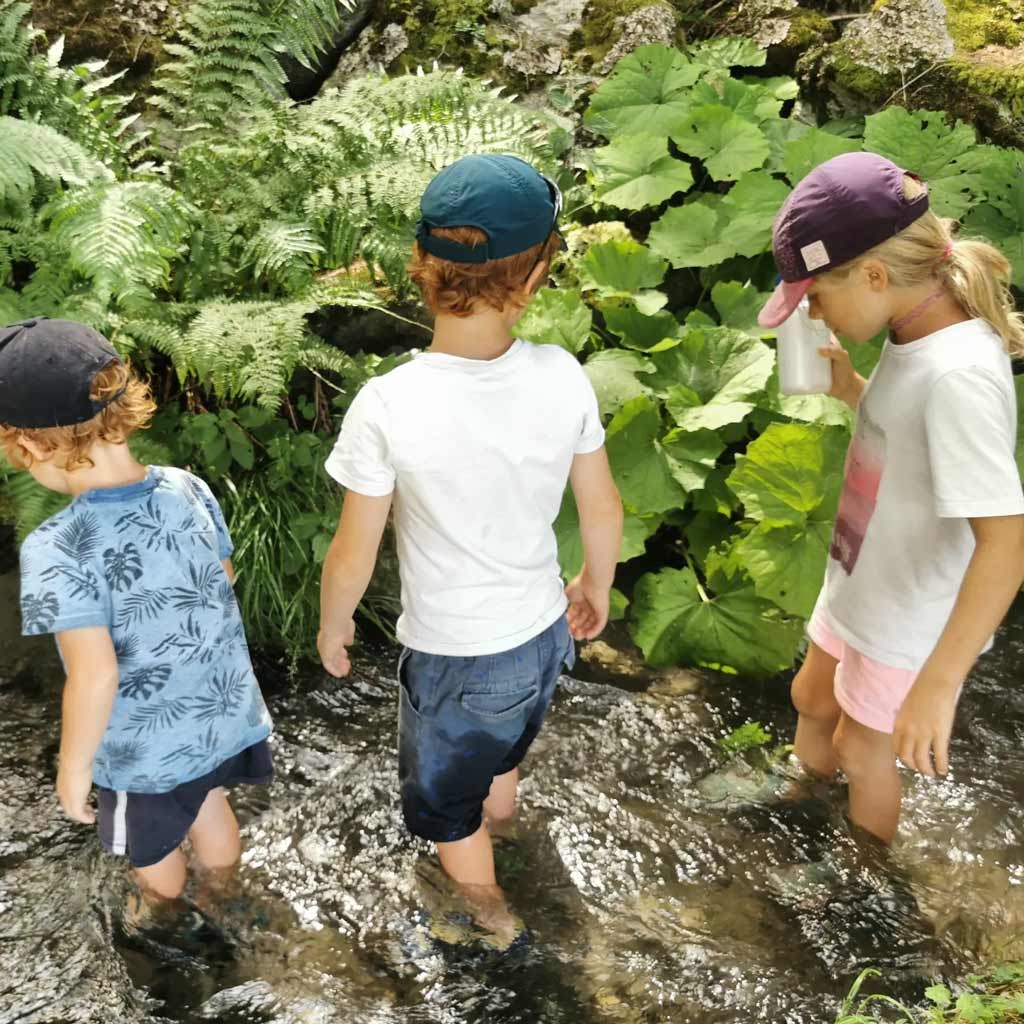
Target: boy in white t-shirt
[(472, 443)]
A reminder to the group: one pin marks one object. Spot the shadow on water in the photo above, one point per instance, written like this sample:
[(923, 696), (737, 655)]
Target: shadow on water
[(654, 886)]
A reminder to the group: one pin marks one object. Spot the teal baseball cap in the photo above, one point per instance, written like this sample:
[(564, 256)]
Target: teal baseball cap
[(515, 205)]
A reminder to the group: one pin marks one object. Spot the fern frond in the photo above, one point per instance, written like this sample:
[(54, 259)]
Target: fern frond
[(280, 253), (26, 503), (122, 235), (228, 57), (28, 150)]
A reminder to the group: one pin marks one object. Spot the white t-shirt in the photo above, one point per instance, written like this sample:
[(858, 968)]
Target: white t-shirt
[(478, 454), (934, 447)]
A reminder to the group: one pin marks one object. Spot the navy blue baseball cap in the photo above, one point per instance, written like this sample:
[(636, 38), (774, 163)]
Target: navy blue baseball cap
[(47, 368), (515, 205), (843, 208)]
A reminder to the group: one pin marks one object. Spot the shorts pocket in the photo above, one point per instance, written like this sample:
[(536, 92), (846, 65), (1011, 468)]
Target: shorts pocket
[(496, 707), (406, 704)]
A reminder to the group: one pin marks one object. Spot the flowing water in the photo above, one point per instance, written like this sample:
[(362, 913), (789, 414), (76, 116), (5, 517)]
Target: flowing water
[(653, 887)]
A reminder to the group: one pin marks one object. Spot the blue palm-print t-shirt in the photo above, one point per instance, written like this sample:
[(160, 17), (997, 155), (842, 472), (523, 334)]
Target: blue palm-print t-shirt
[(144, 560)]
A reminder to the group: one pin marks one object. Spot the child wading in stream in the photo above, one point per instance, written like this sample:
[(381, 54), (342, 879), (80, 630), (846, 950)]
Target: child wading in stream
[(928, 548), (161, 708), (472, 443)]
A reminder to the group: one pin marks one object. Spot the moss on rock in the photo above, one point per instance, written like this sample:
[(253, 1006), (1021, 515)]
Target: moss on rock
[(975, 24)]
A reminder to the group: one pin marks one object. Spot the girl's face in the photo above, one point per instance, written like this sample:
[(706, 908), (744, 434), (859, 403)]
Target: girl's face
[(856, 306)]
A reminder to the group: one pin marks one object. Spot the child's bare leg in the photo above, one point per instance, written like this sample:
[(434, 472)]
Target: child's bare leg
[(814, 698), (162, 882), (470, 862), (868, 759), (500, 805), (216, 845)]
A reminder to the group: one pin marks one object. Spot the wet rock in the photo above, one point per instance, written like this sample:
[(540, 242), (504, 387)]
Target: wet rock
[(623, 664), (539, 39), (899, 35), (377, 49), (658, 23)]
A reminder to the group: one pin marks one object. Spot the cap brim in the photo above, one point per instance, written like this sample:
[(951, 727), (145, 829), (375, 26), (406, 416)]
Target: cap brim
[(783, 302)]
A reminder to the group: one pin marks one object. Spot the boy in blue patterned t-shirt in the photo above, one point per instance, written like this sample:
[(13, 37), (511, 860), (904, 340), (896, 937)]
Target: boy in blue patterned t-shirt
[(161, 708)]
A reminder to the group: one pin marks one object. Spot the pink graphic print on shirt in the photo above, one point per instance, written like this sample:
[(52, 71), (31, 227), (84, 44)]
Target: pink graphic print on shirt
[(865, 463)]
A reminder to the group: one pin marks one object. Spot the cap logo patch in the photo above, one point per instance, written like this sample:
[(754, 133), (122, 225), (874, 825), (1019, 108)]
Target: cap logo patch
[(815, 256)]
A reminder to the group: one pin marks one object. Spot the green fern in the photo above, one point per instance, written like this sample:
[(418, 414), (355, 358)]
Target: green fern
[(29, 150), (283, 254), (122, 235), (73, 101), (228, 57), (246, 350)]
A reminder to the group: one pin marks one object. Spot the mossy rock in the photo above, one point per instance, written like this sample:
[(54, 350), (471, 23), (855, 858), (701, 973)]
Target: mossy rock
[(128, 33), (975, 24), (452, 32)]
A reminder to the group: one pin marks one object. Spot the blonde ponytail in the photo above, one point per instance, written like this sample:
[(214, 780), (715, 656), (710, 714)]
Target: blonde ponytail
[(978, 276)]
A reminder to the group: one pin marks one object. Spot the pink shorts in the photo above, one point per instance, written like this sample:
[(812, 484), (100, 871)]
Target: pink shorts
[(868, 691)]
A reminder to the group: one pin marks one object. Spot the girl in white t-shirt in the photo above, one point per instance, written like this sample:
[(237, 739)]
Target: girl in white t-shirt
[(928, 548)]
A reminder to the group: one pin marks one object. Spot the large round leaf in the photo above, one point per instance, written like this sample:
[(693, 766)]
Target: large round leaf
[(646, 91), (728, 626), (729, 145), (787, 563), (557, 316), (613, 374), (791, 473), (639, 464), (620, 268), (635, 532), (637, 171), (688, 236)]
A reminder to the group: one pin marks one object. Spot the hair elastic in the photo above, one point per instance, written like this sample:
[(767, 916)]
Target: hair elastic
[(948, 251)]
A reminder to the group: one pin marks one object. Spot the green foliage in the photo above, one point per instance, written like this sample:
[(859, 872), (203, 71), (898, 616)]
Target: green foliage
[(749, 736), (995, 997), (229, 57)]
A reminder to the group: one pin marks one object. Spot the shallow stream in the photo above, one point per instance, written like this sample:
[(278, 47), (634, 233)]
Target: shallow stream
[(654, 888)]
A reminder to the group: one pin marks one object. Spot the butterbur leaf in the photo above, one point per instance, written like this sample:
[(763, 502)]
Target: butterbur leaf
[(923, 142), (727, 626), (747, 213), (636, 171), (688, 236), (639, 464), (648, 90), (557, 316), (730, 52), (787, 563), (724, 368), (729, 145), (737, 305), (635, 532), (813, 147), (621, 268), (637, 330), (692, 456), (613, 374), (791, 473)]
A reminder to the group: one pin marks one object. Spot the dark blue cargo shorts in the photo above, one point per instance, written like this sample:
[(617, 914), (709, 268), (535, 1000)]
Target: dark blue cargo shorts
[(464, 720)]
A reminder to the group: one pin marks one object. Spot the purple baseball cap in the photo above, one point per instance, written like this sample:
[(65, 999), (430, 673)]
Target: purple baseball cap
[(843, 208)]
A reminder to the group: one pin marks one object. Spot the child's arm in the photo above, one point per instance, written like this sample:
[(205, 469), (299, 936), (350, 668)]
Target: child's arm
[(600, 511), (88, 701), (993, 578), (347, 572)]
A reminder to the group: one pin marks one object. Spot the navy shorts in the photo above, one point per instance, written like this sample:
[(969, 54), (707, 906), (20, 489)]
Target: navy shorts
[(464, 720), (148, 826)]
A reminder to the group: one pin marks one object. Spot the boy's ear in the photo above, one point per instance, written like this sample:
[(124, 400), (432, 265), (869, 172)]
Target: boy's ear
[(537, 277), (37, 451)]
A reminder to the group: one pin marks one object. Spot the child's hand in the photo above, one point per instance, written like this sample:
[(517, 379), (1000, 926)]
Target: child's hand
[(923, 726), (588, 607), (73, 788), (332, 648), (846, 382)]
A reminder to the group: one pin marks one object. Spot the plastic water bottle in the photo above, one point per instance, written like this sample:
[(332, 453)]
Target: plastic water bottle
[(802, 370)]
